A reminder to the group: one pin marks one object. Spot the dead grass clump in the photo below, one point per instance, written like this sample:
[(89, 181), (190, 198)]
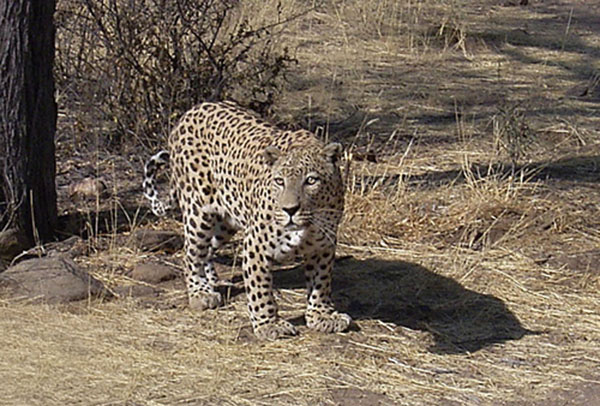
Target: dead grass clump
[(416, 26), (478, 206), (512, 134)]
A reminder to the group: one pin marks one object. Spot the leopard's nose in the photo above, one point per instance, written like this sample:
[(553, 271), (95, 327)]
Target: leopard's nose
[(291, 210)]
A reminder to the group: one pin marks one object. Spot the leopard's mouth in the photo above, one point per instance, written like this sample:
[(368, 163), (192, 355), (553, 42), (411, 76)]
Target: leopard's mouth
[(293, 223), (291, 226), (297, 221)]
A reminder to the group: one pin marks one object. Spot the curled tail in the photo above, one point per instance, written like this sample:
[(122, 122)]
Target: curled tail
[(157, 161)]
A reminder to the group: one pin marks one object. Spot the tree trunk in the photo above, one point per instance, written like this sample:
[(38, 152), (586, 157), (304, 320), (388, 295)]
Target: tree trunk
[(27, 119)]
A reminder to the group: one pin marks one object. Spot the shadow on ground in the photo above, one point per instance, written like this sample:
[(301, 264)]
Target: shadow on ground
[(569, 170), (405, 294), (89, 222)]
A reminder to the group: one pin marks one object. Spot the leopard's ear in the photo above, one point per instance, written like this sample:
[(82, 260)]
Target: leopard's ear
[(270, 154), (333, 151)]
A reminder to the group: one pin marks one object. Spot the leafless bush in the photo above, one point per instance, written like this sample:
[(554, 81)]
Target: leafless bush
[(138, 64), (512, 133)]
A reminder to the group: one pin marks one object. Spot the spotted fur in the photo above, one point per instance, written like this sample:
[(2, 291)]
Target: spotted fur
[(156, 162), (231, 171)]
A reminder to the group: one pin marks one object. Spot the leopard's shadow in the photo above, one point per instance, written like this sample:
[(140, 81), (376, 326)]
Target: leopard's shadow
[(405, 294)]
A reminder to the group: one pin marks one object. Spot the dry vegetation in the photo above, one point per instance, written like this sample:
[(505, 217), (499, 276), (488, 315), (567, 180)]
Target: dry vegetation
[(469, 253)]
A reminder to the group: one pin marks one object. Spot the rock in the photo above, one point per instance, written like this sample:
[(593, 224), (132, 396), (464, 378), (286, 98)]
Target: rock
[(12, 243), (48, 280), (155, 240), (87, 188), (136, 291), (71, 247), (153, 273)]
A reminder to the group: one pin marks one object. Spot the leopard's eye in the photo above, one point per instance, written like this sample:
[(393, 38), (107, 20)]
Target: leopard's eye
[(279, 181), (311, 180)]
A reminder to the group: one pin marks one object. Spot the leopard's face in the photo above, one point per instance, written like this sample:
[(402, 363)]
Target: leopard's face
[(307, 188)]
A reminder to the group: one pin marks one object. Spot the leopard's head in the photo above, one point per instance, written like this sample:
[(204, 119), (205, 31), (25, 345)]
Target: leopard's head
[(306, 186)]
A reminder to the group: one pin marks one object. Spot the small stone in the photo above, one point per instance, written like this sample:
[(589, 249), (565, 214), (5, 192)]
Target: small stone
[(136, 291), (87, 188), (12, 243), (153, 273)]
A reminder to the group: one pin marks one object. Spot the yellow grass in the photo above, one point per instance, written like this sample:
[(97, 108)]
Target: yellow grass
[(467, 278)]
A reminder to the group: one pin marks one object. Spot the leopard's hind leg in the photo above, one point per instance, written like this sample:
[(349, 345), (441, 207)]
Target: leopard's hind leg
[(204, 234)]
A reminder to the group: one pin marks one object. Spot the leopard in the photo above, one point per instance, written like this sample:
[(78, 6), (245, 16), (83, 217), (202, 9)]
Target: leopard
[(231, 171)]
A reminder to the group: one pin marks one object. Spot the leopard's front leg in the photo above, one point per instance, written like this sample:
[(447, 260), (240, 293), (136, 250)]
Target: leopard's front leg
[(320, 312), (258, 282)]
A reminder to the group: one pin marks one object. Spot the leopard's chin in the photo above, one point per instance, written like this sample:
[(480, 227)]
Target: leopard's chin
[(294, 227)]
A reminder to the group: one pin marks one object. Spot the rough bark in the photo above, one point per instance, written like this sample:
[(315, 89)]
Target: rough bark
[(27, 119)]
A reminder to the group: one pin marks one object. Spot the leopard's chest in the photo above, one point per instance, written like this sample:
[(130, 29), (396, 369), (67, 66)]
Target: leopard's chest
[(288, 245)]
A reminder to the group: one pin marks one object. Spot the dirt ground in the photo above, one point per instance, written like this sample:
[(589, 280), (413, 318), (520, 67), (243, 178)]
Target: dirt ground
[(469, 254)]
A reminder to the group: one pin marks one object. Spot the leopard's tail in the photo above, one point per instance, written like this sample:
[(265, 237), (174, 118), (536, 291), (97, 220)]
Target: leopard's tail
[(154, 164)]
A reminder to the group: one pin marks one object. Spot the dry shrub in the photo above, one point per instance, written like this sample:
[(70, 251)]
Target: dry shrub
[(512, 133), (137, 65), (418, 25), (476, 207)]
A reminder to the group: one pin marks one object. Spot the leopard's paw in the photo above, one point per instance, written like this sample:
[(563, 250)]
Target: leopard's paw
[(205, 300), (333, 322), (276, 329)]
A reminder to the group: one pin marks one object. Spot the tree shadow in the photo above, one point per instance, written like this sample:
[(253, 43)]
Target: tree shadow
[(568, 170), (585, 168), (429, 102), (87, 223), (409, 295), (559, 28)]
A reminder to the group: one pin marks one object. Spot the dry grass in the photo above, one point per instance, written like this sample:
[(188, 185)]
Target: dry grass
[(473, 280)]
